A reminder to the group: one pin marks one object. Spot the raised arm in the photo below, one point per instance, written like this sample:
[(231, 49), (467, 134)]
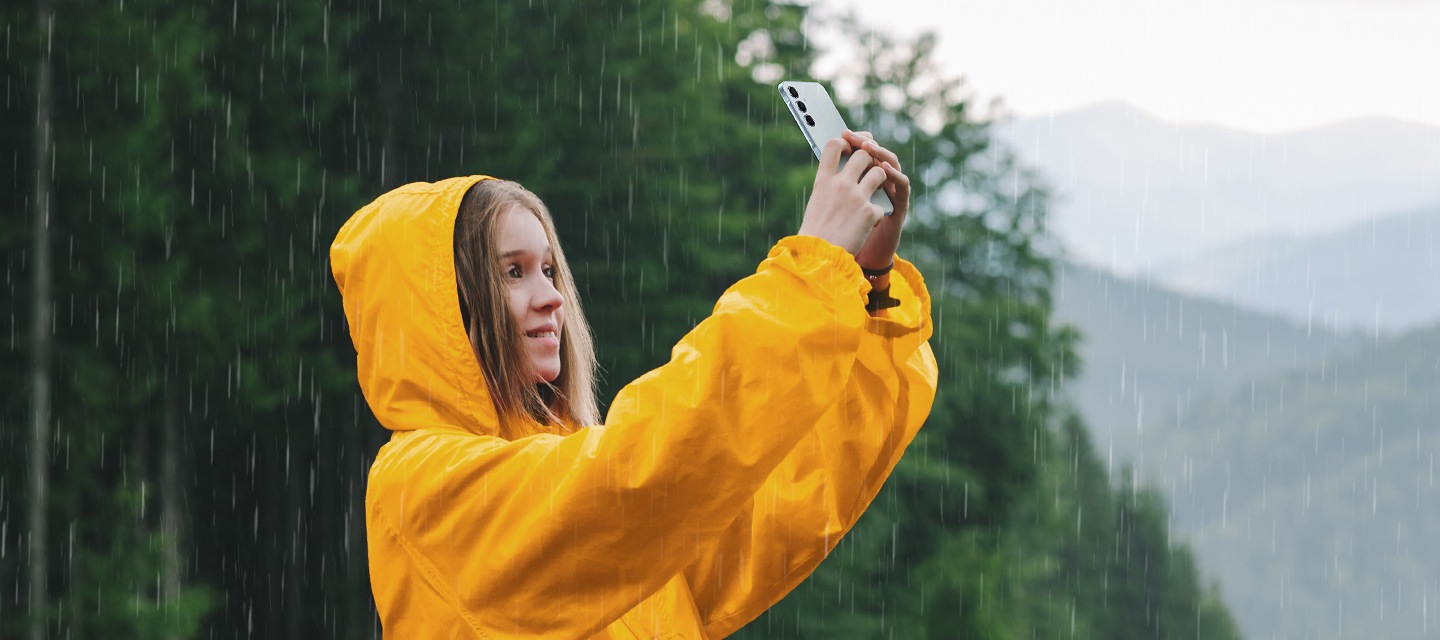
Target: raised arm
[(826, 482)]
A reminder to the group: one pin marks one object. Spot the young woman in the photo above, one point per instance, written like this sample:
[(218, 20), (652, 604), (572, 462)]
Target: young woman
[(503, 507)]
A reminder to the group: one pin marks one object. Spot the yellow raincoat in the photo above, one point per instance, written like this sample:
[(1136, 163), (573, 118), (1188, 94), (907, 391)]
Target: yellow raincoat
[(717, 483)]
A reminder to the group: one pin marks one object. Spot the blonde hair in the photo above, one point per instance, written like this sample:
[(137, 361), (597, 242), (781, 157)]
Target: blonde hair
[(569, 400)]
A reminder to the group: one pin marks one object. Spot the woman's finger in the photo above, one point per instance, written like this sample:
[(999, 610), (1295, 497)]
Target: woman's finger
[(901, 183), (873, 178), (858, 164), (860, 136), (896, 174), (830, 156), (882, 153)]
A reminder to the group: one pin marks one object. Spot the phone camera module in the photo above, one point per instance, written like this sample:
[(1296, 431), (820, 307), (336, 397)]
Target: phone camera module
[(801, 104), (793, 92), (809, 120)]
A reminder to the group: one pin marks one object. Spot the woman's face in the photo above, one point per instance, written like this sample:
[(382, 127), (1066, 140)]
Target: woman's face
[(534, 301)]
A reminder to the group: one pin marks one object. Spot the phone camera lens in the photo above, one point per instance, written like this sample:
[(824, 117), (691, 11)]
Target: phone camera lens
[(800, 104), (809, 120), (793, 92)]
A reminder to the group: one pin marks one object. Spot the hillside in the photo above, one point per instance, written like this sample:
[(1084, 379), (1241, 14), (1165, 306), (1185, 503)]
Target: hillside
[(1148, 352), (1297, 461), (1312, 494)]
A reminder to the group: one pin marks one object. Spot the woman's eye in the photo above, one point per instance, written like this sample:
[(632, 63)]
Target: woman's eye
[(549, 272), (513, 271)]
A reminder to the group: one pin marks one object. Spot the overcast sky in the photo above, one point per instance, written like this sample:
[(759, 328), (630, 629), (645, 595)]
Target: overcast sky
[(1264, 65)]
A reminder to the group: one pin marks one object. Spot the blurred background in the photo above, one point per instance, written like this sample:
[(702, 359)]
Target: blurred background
[(1183, 255)]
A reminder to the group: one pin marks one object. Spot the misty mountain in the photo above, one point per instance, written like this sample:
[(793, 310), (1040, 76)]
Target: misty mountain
[(1148, 352), (1298, 461), (1134, 192), (1312, 494), (1380, 274)]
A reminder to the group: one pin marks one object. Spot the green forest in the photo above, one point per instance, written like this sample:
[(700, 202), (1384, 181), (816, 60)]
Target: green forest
[(184, 444)]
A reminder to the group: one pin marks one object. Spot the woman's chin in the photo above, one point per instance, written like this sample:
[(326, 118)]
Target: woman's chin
[(544, 364), (546, 374)]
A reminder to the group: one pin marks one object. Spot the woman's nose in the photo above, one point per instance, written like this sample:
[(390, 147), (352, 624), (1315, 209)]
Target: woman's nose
[(547, 297)]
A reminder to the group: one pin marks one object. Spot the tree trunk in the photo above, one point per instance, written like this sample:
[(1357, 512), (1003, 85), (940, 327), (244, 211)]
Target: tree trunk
[(295, 528), (172, 496), (360, 443), (40, 337)]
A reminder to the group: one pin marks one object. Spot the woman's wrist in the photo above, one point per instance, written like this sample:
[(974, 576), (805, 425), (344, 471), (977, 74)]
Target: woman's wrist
[(879, 283), (878, 277)]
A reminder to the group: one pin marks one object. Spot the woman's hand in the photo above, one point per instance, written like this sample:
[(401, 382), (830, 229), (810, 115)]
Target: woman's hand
[(840, 210), (878, 251)]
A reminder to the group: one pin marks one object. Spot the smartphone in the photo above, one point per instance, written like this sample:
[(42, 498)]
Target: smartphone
[(820, 121)]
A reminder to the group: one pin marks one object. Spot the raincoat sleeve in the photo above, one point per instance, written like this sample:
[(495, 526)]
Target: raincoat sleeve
[(825, 483), (551, 535)]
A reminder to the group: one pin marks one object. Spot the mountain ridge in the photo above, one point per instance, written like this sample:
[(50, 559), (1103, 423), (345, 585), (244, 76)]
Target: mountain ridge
[(1381, 274), (1121, 105)]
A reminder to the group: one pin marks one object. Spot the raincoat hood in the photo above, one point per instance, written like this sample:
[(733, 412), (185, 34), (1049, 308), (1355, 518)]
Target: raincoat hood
[(394, 264)]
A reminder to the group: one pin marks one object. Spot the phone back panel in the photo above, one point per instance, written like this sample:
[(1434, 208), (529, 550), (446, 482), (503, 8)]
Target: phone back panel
[(824, 123)]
